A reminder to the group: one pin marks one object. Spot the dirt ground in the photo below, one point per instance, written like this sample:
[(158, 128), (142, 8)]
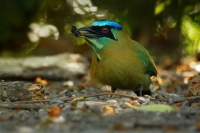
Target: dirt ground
[(69, 103)]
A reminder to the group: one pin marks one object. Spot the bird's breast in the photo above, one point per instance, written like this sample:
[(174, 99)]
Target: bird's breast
[(118, 68)]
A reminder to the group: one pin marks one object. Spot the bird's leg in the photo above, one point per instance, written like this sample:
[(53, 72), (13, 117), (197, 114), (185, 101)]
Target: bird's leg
[(113, 89), (140, 89)]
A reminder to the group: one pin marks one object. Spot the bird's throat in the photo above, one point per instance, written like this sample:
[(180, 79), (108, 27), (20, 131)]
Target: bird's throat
[(96, 48)]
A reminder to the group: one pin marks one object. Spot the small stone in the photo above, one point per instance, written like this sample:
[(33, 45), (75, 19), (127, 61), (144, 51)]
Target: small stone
[(125, 99), (96, 109), (66, 107), (121, 104), (132, 93), (142, 100), (91, 99), (171, 101), (64, 92), (24, 115), (85, 106), (103, 97), (195, 105), (147, 103), (128, 110), (112, 103), (134, 102), (90, 103), (57, 119), (147, 97), (90, 90), (118, 110), (56, 101), (63, 98), (185, 104), (42, 112), (106, 88), (68, 83)]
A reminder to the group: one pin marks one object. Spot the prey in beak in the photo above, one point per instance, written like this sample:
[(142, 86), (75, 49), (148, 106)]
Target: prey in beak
[(88, 32)]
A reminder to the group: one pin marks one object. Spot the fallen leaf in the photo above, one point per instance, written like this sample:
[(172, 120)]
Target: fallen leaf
[(198, 126), (55, 111), (194, 85), (152, 107), (41, 81), (107, 110)]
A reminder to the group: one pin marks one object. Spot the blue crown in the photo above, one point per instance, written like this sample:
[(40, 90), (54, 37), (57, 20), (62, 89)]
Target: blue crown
[(107, 23)]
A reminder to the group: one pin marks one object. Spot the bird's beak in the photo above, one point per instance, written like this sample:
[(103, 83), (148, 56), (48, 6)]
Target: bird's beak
[(90, 33)]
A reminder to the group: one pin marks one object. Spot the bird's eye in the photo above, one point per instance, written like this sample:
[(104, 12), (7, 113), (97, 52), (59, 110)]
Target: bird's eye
[(104, 30)]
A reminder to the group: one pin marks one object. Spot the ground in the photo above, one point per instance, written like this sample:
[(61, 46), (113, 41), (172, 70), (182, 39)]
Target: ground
[(73, 104)]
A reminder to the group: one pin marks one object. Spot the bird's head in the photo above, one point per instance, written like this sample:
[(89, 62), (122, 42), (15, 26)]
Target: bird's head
[(100, 34), (101, 29)]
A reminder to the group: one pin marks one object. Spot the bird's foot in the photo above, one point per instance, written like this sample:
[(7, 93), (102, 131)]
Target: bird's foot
[(141, 92), (113, 89)]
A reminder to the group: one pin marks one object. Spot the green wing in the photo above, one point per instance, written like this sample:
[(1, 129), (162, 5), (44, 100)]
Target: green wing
[(142, 53)]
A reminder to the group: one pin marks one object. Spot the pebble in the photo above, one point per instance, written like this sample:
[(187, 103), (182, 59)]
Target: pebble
[(142, 100), (66, 107), (24, 115), (185, 104), (134, 102), (171, 101), (91, 90), (96, 109), (130, 92), (104, 98), (56, 101), (65, 93), (118, 110), (195, 105), (112, 103), (124, 99), (128, 110), (68, 83), (85, 106), (90, 103), (89, 113), (91, 99), (42, 112), (121, 104)]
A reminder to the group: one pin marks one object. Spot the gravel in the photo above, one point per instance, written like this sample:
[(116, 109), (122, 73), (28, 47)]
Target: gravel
[(97, 115)]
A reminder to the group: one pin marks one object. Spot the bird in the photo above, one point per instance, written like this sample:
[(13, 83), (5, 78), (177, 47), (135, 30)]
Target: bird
[(117, 60)]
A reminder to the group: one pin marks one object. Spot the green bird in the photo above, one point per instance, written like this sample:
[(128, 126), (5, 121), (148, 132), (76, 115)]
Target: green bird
[(117, 60)]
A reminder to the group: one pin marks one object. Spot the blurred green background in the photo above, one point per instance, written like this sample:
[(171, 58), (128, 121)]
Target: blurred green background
[(170, 28)]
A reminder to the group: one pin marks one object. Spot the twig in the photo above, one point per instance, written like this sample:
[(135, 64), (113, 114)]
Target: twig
[(102, 94), (32, 105), (86, 96)]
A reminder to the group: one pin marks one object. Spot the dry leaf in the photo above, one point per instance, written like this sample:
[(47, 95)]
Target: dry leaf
[(152, 107), (55, 111), (194, 85), (41, 81), (198, 126), (107, 110)]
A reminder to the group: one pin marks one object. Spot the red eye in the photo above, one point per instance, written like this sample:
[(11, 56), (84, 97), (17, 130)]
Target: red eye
[(104, 30)]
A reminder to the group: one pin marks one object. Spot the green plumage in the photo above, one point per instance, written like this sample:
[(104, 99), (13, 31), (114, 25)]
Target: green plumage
[(117, 60), (124, 63)]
